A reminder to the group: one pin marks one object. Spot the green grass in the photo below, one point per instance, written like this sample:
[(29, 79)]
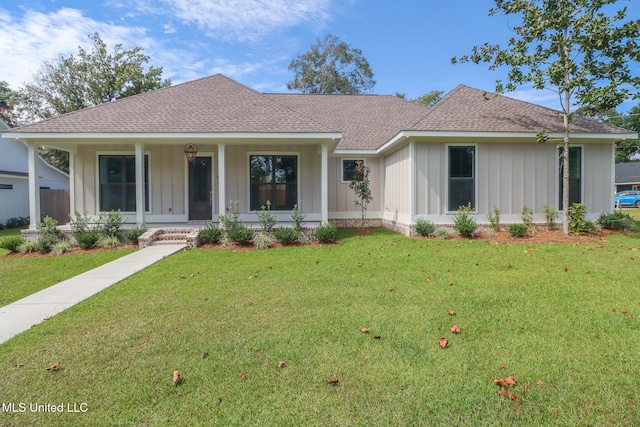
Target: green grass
[(20, 277), (551, 314)]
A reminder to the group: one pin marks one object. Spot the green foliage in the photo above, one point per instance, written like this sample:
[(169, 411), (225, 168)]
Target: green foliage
[(527, 218), (11, 243), (17, 222), (60, 247), (83, 230), (210, 234), (240, 234), (424, 228), (577, 221), (48, 229), (518, 230), (463, 223), (360, 184), (442, 233), (45, 244), (266, 218), (297, 216), (331, 66), (88, 239), (286, 235), (550, 215), (617, 221), (494, 218), (262, 241), (133, 234), (325, 232), (109, 224), (230, 219), (427, 100), (109, 242), (27, 247), (8, 100)]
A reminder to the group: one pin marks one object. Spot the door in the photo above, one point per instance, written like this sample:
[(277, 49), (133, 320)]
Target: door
[(200, 189)]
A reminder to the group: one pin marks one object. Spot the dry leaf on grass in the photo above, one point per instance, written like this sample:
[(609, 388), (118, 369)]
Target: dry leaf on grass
[(511, 396), (443, 342), (377, 337), (333, 381), (176, 377), (455, 329), (364, 330), (54, 367), (506, 382), (281, 364), (626, 313), (451, 313)]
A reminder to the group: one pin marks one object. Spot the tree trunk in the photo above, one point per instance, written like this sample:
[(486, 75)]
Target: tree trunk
[(565, 165)]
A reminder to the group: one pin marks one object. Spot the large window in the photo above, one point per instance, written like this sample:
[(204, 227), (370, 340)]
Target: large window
[(575, 176), (462, 177), (118, 182), (274, 178)]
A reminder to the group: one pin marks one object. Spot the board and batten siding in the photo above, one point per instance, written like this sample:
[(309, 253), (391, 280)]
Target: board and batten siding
[(342, 198), (397, 197)]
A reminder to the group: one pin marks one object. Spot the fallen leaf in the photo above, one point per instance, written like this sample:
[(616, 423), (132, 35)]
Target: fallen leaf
[(455, 329), (450, 283), (565, 268), (333, 381), (281, 364), (206, 355), (54, 367), (377, 337), (176, 377), (179, 394), (451, 313), (443, 342), (501, 366), (626, 313), (428, 279), (389, 288), (243, 375), (511, 396), (506, 382), (19, 365), (364, 330), (540, 382), (525, 389)]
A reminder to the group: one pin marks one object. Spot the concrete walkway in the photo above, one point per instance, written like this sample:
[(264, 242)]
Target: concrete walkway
[(23, 314)]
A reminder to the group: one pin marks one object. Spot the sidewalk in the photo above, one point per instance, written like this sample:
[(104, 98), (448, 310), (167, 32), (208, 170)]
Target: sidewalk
[(23, 314)]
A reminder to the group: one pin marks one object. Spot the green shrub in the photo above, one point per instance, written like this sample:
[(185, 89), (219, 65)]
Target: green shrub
[(231, 218), (577, 223), (60, 247), (286, 235), (87, 240), (262, 241), (297, 216), (1, 226), (45, 244), (518, 230), (11, 243), (109, 242), (133, 234), (109, 224), (210, 234), (464, 224), (17, 222), (550, 214), (494, 218), (266, 218), (527, 218), (27, 247), (48, 229), (326, 232), (617, 221), (424, 228), (442, 233), (240, 234)]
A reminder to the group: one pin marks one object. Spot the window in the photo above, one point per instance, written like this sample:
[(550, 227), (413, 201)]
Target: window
[(462, 177), (117, 180), (575, 176), (274, 178), (6, 186), (349, 168)]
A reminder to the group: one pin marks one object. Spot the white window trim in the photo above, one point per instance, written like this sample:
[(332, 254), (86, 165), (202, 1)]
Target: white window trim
[(557, 188), (446, 176), (272, 153), (120, 153), (342, 159)]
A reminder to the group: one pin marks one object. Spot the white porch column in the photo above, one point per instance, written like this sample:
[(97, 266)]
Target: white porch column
[(72, 183), (222, 183), (34, 185), (324, 184), (140, 184)]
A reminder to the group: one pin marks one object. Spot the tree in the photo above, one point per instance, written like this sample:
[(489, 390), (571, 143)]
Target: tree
[(88, 79), (627, 149), (360, 184), (577, 48), (8, 100), (331, 66), (428, 99)]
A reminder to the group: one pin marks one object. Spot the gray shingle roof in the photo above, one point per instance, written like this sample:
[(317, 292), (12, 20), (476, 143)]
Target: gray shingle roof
[(627, 172)]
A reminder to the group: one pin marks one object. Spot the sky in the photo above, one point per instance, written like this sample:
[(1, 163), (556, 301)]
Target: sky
[(408, 43)]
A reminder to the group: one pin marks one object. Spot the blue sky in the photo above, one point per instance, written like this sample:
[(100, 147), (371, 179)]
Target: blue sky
[(408, 43)]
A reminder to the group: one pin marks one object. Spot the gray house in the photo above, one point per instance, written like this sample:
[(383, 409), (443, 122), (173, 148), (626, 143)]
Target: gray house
[(471, 147), (627, 176)]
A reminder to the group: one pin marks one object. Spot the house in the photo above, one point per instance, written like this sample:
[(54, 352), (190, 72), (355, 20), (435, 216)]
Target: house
[(471, 147), (14, 178), (627, 176)]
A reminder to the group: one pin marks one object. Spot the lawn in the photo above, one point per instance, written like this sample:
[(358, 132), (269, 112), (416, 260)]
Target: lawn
[(560, 318)]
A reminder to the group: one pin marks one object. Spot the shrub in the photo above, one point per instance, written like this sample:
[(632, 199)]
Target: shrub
[(262, 241), (45, 244), (577, 223), (424, 228), (17, 222), (210, 234), (1, 226), (88, 239), (109, 224), (109, 242), (286, 235), (462, 223), (27, 247), (240, 234), (266, 218), (617, 221), (527, 218), (11, 243), (550, 214), (297, 216), (48, 229), (60, 247), (231, 218), (518, 230), (326, 232), (494, 219), (133, 234), (490, 234), (442, 233)]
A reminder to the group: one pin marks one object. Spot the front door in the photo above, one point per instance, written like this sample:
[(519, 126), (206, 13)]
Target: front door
[(200, 189)]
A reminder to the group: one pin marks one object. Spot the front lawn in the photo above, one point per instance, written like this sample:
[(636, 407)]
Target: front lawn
[(560, 318)]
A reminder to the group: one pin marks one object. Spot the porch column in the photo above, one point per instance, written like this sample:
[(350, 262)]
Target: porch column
[(222, 173), (140, 183), (34, 185), (72, 183), (324, 184)]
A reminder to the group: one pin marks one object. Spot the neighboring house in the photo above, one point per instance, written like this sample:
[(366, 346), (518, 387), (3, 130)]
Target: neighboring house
[(471, 147), (627, 176), (14, 178)]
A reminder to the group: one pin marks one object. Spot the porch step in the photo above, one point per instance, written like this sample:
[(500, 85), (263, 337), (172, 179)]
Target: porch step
[(169, 236)]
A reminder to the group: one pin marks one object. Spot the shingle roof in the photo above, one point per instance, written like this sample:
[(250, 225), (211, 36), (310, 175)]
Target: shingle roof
[(366, 121), (627, 172), (211, 104), (468, 109)]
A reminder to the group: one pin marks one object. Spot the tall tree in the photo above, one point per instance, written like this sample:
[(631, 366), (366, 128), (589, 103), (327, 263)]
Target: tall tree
[(580, 48), (626, 150), (85, 80), (8, 100), (428, 99), (331, 66)]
